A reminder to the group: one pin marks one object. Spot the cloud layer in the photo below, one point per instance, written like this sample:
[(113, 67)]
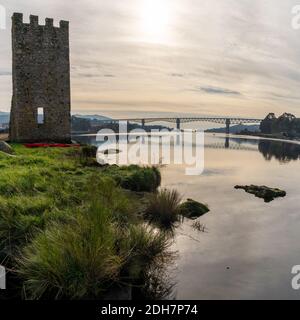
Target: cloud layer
[(231, 57), (222, 91)]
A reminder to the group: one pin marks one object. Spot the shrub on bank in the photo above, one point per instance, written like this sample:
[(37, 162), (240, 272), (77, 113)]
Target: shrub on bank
[(87, 155), (135, 178)]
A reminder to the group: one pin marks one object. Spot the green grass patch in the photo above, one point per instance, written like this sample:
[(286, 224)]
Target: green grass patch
[(68, 227)]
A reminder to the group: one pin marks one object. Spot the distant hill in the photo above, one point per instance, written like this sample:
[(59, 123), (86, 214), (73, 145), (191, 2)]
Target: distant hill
[(236, 129), (92, 117), (4, 117)]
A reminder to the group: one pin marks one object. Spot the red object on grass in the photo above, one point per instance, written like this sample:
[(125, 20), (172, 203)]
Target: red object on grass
[(51, 145)]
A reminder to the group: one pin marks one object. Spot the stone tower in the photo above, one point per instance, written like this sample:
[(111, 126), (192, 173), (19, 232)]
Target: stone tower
[(40, 110)]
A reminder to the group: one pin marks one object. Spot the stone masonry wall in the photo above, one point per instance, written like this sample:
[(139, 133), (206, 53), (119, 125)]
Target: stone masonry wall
[(41, 79)]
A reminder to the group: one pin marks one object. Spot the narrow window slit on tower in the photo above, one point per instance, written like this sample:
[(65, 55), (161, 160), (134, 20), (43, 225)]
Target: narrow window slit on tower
[(40, 116)]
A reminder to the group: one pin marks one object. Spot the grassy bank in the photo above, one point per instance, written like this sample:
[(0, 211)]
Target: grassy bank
[(70, 229)]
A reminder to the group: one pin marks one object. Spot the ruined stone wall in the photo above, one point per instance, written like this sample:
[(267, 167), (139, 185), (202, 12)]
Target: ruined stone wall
[(41, 79)]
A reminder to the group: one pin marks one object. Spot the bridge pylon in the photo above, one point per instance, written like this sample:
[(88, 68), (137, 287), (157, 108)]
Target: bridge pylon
[(178, 123), (228, 122)]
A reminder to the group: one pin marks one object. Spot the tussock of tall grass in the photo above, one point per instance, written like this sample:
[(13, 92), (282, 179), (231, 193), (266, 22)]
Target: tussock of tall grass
[(78, 260), (164, 208), (83, 258), (145, 265), (144, 247)]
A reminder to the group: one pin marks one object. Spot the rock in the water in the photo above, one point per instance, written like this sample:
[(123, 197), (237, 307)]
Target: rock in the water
[(5, 147), (266, 193), (192, 209)]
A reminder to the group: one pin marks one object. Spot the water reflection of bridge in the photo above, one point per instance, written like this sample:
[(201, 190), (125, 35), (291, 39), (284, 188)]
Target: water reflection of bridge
[(228, 144), (225, 142)]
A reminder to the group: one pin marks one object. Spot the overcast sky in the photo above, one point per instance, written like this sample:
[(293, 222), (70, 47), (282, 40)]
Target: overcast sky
[(208, 57)]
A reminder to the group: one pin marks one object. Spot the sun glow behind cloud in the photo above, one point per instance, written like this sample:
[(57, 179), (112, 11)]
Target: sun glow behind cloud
[(155, 20)]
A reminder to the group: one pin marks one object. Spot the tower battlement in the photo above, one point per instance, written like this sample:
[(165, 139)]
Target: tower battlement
[(17, 19), (41, 99)]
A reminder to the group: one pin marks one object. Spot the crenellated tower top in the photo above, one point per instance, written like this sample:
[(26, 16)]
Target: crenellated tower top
[(17, 19)]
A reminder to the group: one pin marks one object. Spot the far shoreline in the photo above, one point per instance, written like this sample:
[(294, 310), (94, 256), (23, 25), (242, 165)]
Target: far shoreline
[(277, 137)]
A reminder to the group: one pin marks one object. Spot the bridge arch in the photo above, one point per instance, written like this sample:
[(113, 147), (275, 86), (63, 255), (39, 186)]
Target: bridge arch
[(228, 121)]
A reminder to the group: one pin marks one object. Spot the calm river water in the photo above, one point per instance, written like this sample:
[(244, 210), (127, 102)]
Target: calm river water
[(249, 247)]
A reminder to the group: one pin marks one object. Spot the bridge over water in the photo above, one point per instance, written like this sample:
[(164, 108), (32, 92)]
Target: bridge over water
[(228, 121)]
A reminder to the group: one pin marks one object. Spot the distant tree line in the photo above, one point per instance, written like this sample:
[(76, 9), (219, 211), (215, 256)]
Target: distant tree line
[(287, 124)]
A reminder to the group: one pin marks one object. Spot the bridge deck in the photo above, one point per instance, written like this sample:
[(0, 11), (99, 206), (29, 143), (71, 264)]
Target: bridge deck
[(223, 120), (228, 121)]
